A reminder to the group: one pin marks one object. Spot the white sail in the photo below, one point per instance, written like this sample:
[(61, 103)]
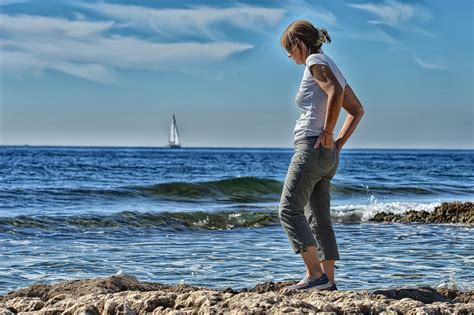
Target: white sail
[(174, 135)]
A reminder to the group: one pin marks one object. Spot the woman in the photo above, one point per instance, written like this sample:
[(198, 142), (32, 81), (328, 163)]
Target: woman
[(304, 209)]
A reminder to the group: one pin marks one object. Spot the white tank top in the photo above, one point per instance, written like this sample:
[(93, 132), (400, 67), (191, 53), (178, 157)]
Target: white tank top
[(312, 99)]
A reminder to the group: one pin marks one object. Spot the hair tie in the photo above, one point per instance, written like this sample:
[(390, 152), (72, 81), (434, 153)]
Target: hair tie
[(321, 36)]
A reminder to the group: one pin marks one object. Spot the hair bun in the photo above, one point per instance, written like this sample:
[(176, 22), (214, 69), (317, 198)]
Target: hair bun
[(323, 36)]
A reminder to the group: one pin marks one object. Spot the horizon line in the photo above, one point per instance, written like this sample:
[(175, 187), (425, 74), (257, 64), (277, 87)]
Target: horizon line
[(218, 147)]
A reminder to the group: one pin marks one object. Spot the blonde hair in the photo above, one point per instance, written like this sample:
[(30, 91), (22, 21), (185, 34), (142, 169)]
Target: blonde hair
[(304, 31)]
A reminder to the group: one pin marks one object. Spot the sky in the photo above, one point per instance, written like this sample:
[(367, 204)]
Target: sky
[(112, 73)]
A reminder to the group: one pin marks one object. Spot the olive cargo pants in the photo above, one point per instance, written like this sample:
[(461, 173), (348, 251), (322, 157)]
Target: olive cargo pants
[(304, 209)]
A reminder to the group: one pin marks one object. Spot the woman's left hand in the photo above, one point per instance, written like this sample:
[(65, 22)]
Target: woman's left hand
[(325, 139), (339, 144)]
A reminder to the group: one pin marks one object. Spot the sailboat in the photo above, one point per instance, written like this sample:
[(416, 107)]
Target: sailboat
[(173, 140)]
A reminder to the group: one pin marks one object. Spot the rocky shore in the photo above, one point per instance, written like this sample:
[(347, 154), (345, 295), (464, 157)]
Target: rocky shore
[(447, 212), (127, 295)]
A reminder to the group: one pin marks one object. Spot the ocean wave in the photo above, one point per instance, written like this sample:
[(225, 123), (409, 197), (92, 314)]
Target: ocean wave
[(237, 189), (168, 220), (240, 189), (215, 220)]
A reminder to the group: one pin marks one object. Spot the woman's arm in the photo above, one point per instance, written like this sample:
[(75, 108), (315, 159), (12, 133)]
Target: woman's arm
[(355, 112), (328, 82)]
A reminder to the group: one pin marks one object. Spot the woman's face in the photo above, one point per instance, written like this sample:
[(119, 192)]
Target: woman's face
[(297, 52)]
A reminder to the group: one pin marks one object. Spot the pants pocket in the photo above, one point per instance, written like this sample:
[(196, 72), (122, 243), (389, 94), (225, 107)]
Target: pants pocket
[(306, 157), (327, 158)]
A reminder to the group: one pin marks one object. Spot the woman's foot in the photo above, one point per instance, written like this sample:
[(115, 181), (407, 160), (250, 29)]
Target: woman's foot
[(332, 288), (321, 283)]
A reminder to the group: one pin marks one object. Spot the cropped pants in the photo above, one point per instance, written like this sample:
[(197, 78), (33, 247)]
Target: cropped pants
[(304, 209)]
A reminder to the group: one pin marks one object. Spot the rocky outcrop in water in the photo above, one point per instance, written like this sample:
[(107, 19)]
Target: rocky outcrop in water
[(127, 295), (447, 212)]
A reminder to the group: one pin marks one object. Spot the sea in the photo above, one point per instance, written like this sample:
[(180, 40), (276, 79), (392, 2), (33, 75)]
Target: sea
[(208, 216)]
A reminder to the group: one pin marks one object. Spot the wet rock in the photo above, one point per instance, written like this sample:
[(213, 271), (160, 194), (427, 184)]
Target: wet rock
[(268, 286), (447, 212), (230, 290), (423, 294)]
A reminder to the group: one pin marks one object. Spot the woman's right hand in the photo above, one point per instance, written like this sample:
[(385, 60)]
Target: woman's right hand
[(339, 145)]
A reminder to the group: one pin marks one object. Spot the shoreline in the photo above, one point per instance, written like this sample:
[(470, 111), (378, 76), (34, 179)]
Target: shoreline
[(127, 295), (454, 213)]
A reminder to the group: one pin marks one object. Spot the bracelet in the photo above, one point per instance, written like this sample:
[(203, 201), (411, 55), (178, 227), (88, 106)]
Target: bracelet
[(330, 133)]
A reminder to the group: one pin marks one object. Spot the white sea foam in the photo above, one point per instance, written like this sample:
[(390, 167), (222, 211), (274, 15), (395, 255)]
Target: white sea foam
[(451, 282), (364, 212)]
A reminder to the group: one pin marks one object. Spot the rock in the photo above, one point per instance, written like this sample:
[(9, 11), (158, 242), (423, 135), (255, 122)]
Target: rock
[(112, 284), (127, 295), (425, 295), (454, 295), (84, 310), (452, 212), (24, 304)]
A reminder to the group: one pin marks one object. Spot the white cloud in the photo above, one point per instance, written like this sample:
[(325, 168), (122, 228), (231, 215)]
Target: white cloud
[(403, 17), (304, 9), (80, 48), (18, 63), (393, 13), (8, 2), (431, 65), (84, 48), (93, 72), (199, 21), (19, 26), (378, 36)]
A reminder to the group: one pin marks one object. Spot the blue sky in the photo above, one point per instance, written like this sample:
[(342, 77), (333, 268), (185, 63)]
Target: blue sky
[(113, 73)]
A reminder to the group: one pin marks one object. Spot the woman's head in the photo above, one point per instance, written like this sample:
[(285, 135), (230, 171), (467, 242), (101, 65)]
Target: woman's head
[(301, 39)]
